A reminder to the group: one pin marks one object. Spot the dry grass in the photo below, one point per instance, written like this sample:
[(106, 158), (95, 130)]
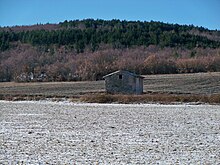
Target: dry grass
[(146, 98), (22, 97), (125, 99)]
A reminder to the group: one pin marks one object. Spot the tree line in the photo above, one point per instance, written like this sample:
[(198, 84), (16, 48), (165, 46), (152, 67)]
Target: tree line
[(28, 63)]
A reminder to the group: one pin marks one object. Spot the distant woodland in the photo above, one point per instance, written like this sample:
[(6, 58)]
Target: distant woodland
[(89, 49)]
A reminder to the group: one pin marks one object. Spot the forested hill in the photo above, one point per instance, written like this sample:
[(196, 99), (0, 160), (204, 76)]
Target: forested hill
[(88, 49), (119, 34)]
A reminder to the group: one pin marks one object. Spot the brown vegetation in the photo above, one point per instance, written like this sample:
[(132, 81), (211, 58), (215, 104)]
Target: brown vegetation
[(149, 98), (53, 64)]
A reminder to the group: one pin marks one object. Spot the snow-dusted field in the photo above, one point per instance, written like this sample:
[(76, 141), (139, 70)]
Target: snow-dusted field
[(67, 133)]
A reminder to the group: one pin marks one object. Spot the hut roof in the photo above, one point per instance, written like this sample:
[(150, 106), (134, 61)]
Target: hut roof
[(124, 72)]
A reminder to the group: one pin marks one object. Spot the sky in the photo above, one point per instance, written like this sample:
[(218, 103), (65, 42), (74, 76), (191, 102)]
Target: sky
[(205, 13)]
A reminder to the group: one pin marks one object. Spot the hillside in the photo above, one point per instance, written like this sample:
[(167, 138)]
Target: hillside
[(89, 49)]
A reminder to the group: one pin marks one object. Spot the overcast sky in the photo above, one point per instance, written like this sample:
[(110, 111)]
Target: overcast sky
[(204, 13)]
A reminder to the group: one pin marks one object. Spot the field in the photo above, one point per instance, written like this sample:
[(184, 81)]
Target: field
[(69, 133), (198, 85)]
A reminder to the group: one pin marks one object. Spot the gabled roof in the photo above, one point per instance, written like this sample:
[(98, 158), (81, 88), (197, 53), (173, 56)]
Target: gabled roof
[(123, 72)]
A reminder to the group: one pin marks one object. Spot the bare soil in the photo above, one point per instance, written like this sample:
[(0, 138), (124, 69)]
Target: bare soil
[(197, 83), (51, 89)]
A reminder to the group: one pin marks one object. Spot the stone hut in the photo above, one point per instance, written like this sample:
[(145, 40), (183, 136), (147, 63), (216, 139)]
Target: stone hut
[(124, 82)]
